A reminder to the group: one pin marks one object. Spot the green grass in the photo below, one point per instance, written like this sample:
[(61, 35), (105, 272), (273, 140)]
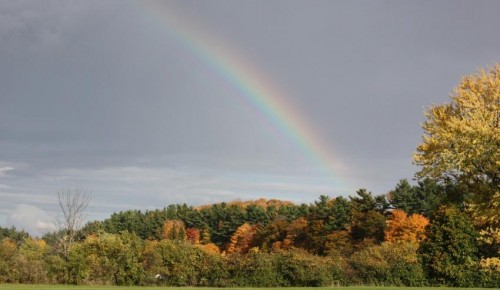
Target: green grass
[(61, 287)]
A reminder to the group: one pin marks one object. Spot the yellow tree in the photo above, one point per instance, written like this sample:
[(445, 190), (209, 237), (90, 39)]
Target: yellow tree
[(462, 138), (461, 143)]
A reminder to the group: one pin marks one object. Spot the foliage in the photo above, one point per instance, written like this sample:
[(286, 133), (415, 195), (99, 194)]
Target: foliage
[(109, 259), (72, 202), (256, 269), (30, 261), (402, 227), (368, 222), (291, 268), (462, 144), (301, 269), (179, 263), (462, 138), (174, 230), (450, 252), (242, 239), (389, 264), (8, 252), (16, 235)]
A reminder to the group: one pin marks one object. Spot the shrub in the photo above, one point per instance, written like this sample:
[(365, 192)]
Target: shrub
[(388, 264)]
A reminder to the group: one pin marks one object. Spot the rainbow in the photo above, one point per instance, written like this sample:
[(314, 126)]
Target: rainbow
[(252, 84)]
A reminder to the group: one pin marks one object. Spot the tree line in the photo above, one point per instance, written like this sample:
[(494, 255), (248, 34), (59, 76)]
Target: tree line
[(443, 231)]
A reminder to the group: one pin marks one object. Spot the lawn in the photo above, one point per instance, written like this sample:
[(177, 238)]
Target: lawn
[(50, 287)]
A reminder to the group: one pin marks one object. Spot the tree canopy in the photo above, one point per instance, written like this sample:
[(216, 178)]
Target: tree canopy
[(461, 145), (462, 138)]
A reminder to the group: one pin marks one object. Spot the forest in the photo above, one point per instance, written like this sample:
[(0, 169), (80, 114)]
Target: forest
[(444, 230)]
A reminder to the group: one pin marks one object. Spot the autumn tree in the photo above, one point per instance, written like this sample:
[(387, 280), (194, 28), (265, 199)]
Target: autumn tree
[(193, 235), (8, 251), (30, 261), (105, 258), (402, 227), (461, 144), (296, 234), (242, 239), (272, 235), (174, 230), (462, 138)]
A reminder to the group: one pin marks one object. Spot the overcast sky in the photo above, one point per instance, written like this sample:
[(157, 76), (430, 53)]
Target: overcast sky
[(112, 97)]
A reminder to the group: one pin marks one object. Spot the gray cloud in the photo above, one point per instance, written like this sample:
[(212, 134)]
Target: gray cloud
[(103, 95)]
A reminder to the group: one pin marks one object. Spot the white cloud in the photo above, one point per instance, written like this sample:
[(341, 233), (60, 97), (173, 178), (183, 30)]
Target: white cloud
[(32, 219), (5, 169)]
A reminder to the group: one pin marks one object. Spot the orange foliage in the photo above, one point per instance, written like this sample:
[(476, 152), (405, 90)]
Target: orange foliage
[(295, 233), (242, 239), (402, 227), (174, 230), (193, 235), (261, 202), (210, 248)]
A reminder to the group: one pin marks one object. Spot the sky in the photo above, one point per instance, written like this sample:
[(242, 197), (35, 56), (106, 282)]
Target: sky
[(149, 103)]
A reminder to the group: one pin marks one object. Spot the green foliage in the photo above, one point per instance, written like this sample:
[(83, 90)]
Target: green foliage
[(291, 268), (404, 197), (30, 262), (368, 222), (388, 264), (301, 269), (8, 253), (330, 242), (182, 264), (255, 270), (461, 144), (17, 235), (109, 259), (450, 252), (430, 195)]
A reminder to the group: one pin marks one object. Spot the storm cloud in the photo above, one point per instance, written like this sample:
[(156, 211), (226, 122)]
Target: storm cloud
[(105, 96)]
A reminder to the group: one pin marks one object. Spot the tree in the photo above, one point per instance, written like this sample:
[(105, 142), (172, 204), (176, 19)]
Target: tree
[(430, 195), (106, 258), (73, 202), (8, 252), (368, 222), (193, 235), (462, 138), (16, 235), (242, 240), (174, 230), (30, 261), (388, 264), (461, 144), (450, 252), (402, 227), (403, 197)]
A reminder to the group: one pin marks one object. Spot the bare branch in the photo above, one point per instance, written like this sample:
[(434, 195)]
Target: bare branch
[(73, 202)]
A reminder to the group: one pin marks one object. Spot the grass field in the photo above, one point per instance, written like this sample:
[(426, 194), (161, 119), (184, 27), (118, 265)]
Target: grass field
[(61, 287)]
